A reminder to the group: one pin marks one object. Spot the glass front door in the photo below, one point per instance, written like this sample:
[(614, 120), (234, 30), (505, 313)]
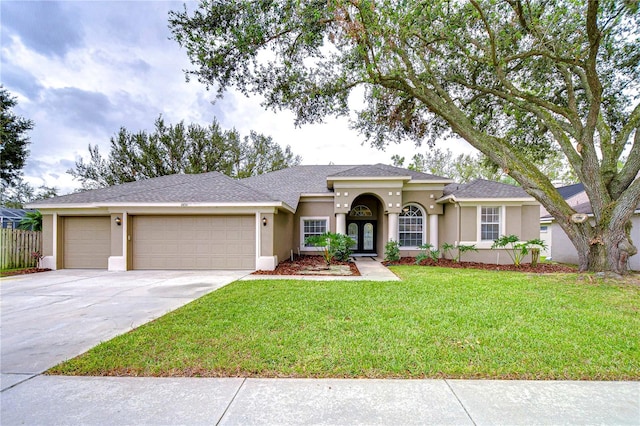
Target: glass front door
[(363, 233)]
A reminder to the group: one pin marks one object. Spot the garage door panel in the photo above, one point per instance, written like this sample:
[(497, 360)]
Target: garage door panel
[(194, 242), (87, 242)]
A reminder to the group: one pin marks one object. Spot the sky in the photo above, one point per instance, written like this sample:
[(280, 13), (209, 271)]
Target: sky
[(82, 69)]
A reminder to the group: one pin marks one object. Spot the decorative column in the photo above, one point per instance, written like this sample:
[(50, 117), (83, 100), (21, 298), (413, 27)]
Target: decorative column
[(433, 230), (341, 223), (393, 227)]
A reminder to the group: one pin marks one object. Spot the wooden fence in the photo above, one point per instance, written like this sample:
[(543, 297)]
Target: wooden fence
[(17, 246)]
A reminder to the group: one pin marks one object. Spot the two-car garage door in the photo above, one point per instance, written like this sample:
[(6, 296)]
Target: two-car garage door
[(193, 242), (164, 242)]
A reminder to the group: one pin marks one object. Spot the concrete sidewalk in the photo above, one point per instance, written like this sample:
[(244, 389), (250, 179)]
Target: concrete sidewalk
[(108, 400)]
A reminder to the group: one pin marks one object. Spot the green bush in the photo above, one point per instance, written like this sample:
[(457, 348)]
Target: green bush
[(517, 249), (333, 246), (392, 251)]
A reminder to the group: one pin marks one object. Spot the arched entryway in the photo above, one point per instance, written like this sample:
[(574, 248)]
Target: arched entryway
[(364, 221)]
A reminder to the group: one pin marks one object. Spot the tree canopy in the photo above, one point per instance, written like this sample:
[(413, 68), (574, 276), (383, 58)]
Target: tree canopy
[(464, 168), (516, 79), (172, 149), (13, 139)]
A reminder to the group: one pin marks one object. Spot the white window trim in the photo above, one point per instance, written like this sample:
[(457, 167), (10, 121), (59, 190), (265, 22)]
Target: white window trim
[(302, 219), (480, 244), (424, 226)]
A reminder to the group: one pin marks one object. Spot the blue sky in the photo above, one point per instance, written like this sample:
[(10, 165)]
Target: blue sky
[(82, 69)]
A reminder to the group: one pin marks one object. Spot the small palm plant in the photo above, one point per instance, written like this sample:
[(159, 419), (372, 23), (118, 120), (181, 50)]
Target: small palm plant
[(31, 221)]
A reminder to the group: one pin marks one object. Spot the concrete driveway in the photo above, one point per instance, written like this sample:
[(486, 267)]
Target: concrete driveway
[(52, 316)]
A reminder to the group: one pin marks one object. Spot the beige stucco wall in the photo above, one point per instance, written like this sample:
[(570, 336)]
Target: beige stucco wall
[(427, 199), (47, 235), (513, 221), (530, 223), (468, 223), (117, 236), (448, 225), (390, 197), (266, 234), (283, 235)]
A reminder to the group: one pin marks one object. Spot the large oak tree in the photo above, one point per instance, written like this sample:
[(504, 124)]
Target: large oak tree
[(516, 78)]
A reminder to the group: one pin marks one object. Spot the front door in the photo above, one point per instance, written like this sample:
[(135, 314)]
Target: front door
[(364, 234)]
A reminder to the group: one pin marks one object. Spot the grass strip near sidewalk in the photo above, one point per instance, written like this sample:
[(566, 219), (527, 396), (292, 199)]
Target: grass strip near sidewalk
[(437, 322)]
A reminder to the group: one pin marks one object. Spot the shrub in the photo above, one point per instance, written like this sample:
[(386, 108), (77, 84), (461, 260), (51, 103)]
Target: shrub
[(460, 248), (392, 251), (427, 252), (333, 246), (517, 249)]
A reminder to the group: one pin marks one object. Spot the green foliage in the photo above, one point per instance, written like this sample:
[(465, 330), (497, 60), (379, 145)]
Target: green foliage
[(31, 221), (427, 251), (13, 140), (438, 322), (19, 193), (515, 248), (448, 249), (172, 149), (518, 83), (336, 246), (392, 251)]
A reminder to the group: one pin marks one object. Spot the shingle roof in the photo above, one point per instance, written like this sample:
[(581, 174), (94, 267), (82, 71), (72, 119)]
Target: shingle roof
[(202, 188), (570, 190), (289, 184), (482, 188), (384, 170)]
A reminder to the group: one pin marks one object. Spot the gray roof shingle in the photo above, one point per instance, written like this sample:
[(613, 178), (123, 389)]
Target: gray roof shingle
[(481, 188), (202, 188)]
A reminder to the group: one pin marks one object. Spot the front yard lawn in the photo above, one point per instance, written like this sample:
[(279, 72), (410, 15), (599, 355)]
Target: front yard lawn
[(437, 322)]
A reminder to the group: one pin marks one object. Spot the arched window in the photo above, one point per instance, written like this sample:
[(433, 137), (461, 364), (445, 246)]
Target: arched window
[(411, 226), (361, 210)]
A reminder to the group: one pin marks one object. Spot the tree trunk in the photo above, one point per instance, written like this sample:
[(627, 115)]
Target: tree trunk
[(602, 250)]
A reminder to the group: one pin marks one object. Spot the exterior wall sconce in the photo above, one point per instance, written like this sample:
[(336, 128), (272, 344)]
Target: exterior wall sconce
[(264, 221), (118, 220)]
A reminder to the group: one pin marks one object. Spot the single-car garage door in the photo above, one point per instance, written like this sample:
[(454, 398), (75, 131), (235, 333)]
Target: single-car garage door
[(87, 242), (194, 242)]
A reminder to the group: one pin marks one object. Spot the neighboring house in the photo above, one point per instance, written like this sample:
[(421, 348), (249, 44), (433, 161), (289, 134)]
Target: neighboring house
[(563, 250), (573, 195), (210, 221), (10, 218)]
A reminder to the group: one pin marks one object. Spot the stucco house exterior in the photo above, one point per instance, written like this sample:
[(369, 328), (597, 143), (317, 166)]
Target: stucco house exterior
[(210, 221)]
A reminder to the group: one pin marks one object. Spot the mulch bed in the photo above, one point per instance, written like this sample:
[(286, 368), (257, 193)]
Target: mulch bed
[(541, 268), (303, 263), (24, 271)]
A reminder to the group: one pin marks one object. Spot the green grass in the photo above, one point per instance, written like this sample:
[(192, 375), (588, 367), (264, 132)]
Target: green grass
[(435, 323)]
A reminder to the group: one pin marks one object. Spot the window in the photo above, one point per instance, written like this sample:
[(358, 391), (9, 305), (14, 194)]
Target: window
[(361, 210), (411, 227), (544, 229), (490, 223), (310, 226)]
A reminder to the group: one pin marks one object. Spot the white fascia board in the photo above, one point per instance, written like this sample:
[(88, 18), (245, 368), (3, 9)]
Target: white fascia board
[(88, 208), (446, 199), (498, 201), (319, 194), (432, 181)]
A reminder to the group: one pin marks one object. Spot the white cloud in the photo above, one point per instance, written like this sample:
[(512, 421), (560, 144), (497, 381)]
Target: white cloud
[(125, 71)]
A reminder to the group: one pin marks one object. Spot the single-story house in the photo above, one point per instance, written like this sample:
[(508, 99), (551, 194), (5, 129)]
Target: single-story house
[(210, 221)]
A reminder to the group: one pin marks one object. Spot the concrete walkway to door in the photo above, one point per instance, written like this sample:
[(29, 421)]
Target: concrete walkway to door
[(49, 317)]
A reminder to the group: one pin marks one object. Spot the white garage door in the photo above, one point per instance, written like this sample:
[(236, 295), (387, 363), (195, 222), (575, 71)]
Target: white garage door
[(194, 242), (87, 242)]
